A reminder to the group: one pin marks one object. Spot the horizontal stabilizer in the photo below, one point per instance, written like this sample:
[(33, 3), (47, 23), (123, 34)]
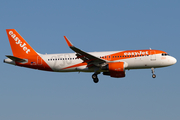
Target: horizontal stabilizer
[(16, 58)]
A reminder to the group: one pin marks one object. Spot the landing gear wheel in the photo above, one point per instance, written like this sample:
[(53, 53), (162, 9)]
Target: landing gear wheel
[(95, 78), (154, 76)]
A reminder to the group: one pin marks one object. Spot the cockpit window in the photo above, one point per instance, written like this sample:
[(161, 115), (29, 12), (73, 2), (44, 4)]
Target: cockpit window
[(165, 54)]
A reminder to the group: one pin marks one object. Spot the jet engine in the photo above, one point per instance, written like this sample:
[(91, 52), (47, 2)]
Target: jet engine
[(115, 69)]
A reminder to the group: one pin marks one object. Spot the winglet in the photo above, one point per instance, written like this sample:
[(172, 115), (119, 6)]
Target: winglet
[(68, 42)]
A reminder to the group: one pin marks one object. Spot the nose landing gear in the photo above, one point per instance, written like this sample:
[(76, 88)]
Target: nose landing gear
[(153, 75)]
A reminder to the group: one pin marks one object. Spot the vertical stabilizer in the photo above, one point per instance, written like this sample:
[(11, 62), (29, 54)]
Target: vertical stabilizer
[(19, 46)]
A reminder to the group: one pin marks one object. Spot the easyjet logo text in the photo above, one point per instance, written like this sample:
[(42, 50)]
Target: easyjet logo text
[(19, 42), (137, 53)]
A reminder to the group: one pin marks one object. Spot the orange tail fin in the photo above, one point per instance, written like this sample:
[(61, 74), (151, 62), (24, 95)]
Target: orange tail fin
[(19, 46)]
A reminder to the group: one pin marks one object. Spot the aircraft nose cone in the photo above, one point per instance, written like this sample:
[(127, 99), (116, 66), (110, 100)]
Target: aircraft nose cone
[(173, 60)]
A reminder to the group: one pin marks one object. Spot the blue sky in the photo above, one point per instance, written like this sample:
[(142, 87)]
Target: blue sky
[(92, 26)]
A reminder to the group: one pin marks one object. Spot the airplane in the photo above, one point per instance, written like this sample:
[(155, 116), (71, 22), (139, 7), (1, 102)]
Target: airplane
[(110, 63)]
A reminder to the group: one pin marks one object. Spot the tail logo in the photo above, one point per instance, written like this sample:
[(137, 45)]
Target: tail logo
[(18, 41)]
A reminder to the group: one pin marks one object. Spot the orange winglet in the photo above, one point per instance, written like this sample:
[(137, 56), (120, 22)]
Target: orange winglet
[(68, 42)]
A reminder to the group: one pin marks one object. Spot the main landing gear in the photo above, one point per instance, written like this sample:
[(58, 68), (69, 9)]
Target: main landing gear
[(95, 77), (153, 75)]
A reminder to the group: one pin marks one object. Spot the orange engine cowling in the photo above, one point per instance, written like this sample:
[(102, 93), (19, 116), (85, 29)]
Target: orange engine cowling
[(116, 69)]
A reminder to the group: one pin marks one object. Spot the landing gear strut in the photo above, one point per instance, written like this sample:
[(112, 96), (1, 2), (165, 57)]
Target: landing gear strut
[(95, 78), (153, 75)]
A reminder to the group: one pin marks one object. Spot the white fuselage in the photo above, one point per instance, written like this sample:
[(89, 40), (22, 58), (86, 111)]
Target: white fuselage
[(59, 62)]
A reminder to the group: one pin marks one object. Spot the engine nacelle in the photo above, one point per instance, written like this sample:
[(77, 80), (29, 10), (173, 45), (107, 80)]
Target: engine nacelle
[(116, 69)]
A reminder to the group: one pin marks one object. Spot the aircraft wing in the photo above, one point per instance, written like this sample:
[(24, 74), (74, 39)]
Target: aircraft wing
[(86, 57)]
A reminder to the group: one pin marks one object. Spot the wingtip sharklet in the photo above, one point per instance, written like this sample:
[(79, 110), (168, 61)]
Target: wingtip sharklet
[(68, 42)]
